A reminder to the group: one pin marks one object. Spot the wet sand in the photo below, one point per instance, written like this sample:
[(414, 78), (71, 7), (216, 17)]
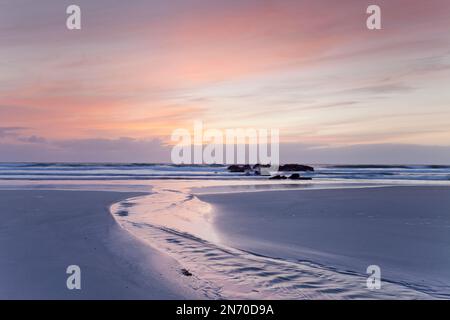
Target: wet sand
[(252, 245), (291, 244), (404, 230), (43, 232)]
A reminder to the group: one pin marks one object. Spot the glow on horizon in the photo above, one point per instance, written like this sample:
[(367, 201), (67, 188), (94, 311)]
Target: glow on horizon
[(309, 68)]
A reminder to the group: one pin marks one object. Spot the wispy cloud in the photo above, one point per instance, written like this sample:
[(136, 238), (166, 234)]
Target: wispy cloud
[(310, 68)]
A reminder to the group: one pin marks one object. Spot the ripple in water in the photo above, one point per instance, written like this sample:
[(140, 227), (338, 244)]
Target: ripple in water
[(179, 224)]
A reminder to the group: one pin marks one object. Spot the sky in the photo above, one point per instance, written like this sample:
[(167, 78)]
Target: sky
[(137, 70)]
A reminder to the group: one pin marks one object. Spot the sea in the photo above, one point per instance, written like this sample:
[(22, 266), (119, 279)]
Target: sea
[(141, 171)]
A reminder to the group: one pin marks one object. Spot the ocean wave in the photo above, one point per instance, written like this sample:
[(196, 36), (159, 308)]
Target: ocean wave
[(148, 171)]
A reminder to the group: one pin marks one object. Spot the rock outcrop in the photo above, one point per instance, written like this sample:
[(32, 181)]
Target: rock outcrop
[(239, 168), (295, 167), (282, 168)]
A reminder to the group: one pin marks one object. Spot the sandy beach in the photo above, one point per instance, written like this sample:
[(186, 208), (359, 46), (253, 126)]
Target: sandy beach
[(252, 240), (404, 230), (43, 232)]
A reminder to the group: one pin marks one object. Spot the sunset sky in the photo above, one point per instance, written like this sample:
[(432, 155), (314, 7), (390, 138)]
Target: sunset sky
[(115, 90)]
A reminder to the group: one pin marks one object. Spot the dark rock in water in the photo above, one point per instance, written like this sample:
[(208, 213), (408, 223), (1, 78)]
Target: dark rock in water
[(122, 213), (295, 167), (278, 177), (239, 168), (257, 166), (235, 168), (285, 167), (186, 273), (296, 176), (126, 204)]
